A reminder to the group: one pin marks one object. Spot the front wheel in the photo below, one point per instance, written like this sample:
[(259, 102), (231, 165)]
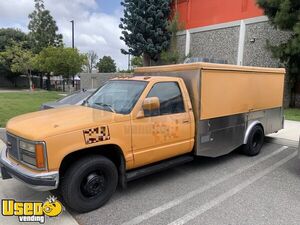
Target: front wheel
[(89, 183), (255, 141)]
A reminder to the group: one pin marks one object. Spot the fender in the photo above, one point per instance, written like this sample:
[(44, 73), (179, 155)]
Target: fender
[(249, 128)]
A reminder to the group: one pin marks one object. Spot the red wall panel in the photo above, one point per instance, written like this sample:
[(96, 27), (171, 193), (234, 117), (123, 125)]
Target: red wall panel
[(199, 13)]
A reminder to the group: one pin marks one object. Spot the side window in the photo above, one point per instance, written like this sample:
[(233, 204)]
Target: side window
[(170, 98)]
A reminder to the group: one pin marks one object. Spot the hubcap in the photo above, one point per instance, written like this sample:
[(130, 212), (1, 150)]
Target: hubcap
[(93, 184)]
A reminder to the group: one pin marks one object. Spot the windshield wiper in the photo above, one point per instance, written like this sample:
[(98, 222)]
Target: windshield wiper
[(105, 105)]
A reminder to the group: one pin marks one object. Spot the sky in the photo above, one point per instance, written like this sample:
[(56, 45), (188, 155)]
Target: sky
[(96, 23)]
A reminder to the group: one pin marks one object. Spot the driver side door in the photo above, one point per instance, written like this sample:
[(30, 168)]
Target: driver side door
[(165, 132)]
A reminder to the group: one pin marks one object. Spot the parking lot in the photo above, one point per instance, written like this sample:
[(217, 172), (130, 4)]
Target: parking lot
[(233, 189)]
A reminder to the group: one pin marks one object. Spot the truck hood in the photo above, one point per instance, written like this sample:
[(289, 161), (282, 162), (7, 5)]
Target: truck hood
[(39, 125)]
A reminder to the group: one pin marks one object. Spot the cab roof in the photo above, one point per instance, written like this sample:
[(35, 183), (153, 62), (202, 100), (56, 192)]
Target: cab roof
[(147, 78), (212, 66)]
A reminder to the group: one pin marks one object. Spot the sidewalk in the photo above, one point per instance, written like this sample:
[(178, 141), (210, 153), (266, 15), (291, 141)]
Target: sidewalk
[(13, 189), (12, 90), (290, 132)]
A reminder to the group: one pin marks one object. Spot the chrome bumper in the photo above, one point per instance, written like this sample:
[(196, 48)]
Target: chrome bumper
[(43, 181)]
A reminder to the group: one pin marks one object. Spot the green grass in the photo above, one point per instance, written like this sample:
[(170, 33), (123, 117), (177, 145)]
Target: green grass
[(292, 114), (16, 103)]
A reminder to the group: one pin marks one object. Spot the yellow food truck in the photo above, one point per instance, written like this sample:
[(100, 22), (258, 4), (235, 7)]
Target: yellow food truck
[(133, 126)]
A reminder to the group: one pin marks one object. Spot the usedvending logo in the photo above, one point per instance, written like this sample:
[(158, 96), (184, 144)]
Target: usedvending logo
[(31, 211)]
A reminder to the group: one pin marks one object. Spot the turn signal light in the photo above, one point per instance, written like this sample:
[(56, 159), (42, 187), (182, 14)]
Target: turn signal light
[(40, 160)]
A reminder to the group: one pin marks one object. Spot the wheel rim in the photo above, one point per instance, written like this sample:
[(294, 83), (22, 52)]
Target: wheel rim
[(93, 184)]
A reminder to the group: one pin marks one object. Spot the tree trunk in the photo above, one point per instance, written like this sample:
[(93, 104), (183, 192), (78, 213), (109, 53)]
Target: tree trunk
[(30, 80), (146, 59), (41, 81), (48, 82)]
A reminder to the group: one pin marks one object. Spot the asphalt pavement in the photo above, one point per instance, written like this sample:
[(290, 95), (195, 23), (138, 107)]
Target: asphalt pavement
[(232, 189)]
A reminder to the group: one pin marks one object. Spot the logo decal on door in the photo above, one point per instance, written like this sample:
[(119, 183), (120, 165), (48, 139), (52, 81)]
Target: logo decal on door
[(97, 134)]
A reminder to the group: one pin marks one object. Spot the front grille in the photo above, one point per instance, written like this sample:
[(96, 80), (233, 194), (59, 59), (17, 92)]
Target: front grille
[(12, 146)]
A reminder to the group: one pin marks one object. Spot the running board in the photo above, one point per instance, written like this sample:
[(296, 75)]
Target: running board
[(166, 164)]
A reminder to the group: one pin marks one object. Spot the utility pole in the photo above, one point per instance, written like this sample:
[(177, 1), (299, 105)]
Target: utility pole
[(129, 64), (73, 46), (73, 43)]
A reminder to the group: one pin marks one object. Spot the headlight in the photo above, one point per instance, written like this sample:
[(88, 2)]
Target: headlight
[(27, 146), (33, 153)]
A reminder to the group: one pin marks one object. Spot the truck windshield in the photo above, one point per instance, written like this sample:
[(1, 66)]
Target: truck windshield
[(117, 96)]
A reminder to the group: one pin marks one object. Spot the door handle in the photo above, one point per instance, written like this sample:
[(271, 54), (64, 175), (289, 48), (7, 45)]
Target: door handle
[(185, 121)]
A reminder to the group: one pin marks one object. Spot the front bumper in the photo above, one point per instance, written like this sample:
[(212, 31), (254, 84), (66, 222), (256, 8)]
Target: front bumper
[(42, 181)]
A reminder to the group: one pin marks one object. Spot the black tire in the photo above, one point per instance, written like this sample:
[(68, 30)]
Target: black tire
[(255, 141), (89, 183)]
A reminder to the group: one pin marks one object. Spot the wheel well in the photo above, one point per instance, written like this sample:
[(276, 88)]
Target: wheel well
[(249, 129), (112, 152)]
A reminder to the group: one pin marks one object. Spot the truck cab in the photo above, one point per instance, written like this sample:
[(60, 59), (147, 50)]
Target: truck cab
[(128, 123)]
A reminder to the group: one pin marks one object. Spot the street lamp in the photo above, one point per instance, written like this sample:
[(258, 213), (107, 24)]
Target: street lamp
[(73, 44)]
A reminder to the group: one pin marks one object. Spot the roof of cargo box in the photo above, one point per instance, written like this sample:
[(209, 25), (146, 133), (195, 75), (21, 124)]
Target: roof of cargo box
[(210, 66)]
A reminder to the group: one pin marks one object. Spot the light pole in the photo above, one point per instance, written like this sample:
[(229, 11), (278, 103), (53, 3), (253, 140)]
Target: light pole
[(73, 43), (129, 64), (73, 46)]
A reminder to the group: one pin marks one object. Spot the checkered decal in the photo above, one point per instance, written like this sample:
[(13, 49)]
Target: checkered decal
[(97, 134)]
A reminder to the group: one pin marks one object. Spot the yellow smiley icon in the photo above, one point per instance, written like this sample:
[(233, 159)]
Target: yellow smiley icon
[(52, 208)]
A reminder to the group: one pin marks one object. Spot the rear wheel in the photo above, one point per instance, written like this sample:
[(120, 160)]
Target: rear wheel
[(255, 141), (89, 183)]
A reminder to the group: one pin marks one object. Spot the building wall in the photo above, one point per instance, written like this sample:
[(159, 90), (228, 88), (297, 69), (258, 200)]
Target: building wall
[(256, 53), (181, 43), (199, 13), (216, 44), (223, 42), (96, 80)]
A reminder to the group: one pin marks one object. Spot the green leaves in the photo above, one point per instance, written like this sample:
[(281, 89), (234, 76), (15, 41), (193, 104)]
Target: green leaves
[(10, 35), (285, 15), (106, 65), (144, 27), (60, 61), (43, 29), (18, 59)]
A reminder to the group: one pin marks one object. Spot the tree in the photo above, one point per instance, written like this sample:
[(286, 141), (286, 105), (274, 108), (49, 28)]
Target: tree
[(92, 61), (137, 61), (60, 61), (284, 15), (21, 60), (106, 65), (144, 28), (10, 35), (172, 55), (43, 29)]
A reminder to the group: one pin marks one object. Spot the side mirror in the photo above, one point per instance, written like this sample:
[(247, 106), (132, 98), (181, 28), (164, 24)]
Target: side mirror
[(151, 104), (150, 107)]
